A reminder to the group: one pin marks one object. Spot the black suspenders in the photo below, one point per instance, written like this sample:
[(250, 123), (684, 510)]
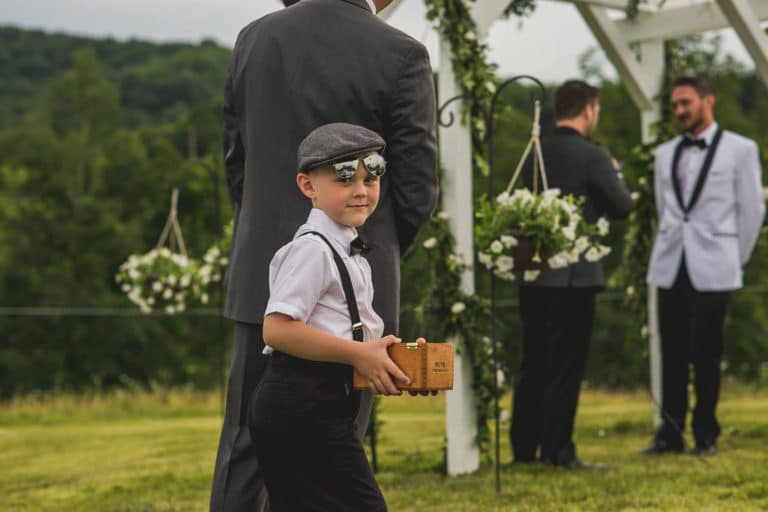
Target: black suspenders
[(349, 292)]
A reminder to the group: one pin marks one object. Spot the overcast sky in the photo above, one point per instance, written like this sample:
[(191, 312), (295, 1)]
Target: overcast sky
[(547, 44)]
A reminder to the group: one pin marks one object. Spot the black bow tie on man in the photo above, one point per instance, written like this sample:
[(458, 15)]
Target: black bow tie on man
[(688, 141), (358, 246)]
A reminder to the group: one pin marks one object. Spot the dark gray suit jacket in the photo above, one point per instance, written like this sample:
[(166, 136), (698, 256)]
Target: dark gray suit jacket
[(317, 62), (582, 168)]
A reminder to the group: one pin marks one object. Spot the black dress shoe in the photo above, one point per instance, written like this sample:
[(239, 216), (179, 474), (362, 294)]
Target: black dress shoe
[(704, 450), (660, 446)]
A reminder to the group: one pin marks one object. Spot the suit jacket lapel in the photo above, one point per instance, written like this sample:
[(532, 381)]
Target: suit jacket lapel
[(675, 180), (705, 169)]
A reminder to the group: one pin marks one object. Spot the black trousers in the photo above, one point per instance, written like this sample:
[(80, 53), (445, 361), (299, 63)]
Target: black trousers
[(304, 436), (691, 328), (238, 480), (557, 327)]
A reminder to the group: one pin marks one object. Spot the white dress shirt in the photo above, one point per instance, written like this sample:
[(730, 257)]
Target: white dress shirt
[(305, 284), (692, 159)]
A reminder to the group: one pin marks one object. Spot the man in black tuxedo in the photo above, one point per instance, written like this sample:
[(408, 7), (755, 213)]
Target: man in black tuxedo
[(315, 62), (557, 309)]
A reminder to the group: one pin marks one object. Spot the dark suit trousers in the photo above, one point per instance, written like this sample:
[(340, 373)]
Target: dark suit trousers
[(691, 328), (557, 326), (238, 482)]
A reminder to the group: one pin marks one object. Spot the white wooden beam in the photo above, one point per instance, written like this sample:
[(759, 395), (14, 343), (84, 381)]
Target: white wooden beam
[(387, 12), (634, 75), (743, 18), (682, 21), (486, 12)]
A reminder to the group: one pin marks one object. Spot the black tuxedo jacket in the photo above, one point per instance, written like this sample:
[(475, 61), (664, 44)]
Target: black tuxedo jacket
[(317, 62), (582, 168)]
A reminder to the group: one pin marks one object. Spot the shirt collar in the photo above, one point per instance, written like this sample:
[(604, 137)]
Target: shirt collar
[(372, 6), (707, 134), (329, 227)]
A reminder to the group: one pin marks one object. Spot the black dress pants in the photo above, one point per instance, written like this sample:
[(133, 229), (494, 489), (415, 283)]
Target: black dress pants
[(238, 480), (311, 458), (691, 329), (557, 327)]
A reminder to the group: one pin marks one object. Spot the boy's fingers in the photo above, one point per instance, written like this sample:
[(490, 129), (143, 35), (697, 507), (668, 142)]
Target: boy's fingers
[(397, 373)]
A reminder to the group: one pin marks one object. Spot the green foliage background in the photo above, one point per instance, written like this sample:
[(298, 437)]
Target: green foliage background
[(94, 135)]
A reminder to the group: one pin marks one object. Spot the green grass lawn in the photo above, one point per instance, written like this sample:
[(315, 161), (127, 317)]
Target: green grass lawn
[(147, 452)]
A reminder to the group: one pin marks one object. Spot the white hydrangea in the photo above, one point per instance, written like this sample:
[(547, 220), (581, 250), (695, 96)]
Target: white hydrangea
[(429, 243), (508, 241), (505, 263), (531, 275), (603, 226), (497, 247), (458, 308)]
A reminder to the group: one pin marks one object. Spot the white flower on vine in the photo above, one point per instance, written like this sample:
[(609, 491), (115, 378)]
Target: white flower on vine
[(505, 263), (508, 240), (497, 247), (157, 286), (458, 308), (467, 4), (429, 243), (569, 233), (641, 180), (223, 261), (134, 274), (536, 258), (172, 280), (443, 215), (144, 308), (630, 291), (604, 250), (470, 36), (644, 331), (486, 259), (204, 298), (581, 244), (593, 254), (491, 87), (126, 287), (181, 307), (531, 275), (167, 293), (507, 276), (170, 309), (573, 256), (635, 195), (185, 280), (603, 226)]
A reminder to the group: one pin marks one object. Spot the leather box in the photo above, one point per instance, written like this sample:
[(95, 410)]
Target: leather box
[(428, 365)]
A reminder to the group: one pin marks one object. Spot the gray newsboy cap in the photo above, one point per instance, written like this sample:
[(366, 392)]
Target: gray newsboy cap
[(334, 142)]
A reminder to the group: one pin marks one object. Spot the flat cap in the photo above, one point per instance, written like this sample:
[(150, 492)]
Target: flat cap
[(334, 142)]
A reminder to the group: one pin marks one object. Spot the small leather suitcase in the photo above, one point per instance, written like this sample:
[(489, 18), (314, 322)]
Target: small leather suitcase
[(428, 365)]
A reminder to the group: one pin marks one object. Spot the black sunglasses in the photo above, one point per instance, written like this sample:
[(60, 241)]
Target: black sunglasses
[(373, 163)]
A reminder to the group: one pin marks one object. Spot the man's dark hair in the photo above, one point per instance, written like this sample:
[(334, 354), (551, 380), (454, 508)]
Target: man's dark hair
[(572, 97), (703, 86)]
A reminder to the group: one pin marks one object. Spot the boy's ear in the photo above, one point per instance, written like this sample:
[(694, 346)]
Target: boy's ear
[(305, 185)]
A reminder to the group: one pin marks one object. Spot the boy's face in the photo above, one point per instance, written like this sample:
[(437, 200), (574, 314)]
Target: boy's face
[(348, 201)]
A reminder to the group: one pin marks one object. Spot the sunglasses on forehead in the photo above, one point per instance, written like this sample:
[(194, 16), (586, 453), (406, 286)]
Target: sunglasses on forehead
[(373, 163)]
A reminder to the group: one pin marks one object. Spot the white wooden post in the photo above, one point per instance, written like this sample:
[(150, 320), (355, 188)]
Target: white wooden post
[(652, 62), (745, 21), (456, 192)]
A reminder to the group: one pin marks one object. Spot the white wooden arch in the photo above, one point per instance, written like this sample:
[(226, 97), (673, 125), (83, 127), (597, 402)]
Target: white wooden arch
[(636, 49)]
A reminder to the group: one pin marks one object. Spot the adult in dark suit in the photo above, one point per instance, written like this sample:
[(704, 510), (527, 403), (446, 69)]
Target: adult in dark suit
[(709, 198), (315, 62), (557, 309)]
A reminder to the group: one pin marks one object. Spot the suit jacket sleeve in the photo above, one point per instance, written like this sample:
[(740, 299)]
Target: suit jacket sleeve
[(611, 195), (749, 200), (234, 152), (411, 150)]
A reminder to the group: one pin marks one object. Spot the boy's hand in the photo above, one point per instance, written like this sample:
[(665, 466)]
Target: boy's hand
[(375, 365)]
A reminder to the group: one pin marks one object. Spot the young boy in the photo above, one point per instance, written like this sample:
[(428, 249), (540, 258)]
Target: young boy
[(319, 312)]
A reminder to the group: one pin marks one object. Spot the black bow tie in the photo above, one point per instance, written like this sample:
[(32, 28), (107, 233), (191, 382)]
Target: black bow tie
[(358, 246), (700, 143)]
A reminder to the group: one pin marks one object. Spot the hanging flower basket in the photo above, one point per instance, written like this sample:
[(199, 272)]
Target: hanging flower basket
[(523, 230)]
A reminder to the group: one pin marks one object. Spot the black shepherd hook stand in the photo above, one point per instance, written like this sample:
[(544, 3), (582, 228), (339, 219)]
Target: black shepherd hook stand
[(489, 116)]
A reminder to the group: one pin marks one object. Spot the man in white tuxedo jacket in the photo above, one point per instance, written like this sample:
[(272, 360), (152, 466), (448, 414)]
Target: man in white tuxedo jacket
[(710, 204)]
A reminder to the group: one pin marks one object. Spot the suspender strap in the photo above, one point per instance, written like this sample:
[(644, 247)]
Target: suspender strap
[(349, 292)]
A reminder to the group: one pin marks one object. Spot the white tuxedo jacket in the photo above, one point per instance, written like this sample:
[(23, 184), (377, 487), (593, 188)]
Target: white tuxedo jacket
[(720, 228)]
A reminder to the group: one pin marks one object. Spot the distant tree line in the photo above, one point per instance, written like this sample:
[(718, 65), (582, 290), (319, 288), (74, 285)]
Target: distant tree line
[(94, 135)]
